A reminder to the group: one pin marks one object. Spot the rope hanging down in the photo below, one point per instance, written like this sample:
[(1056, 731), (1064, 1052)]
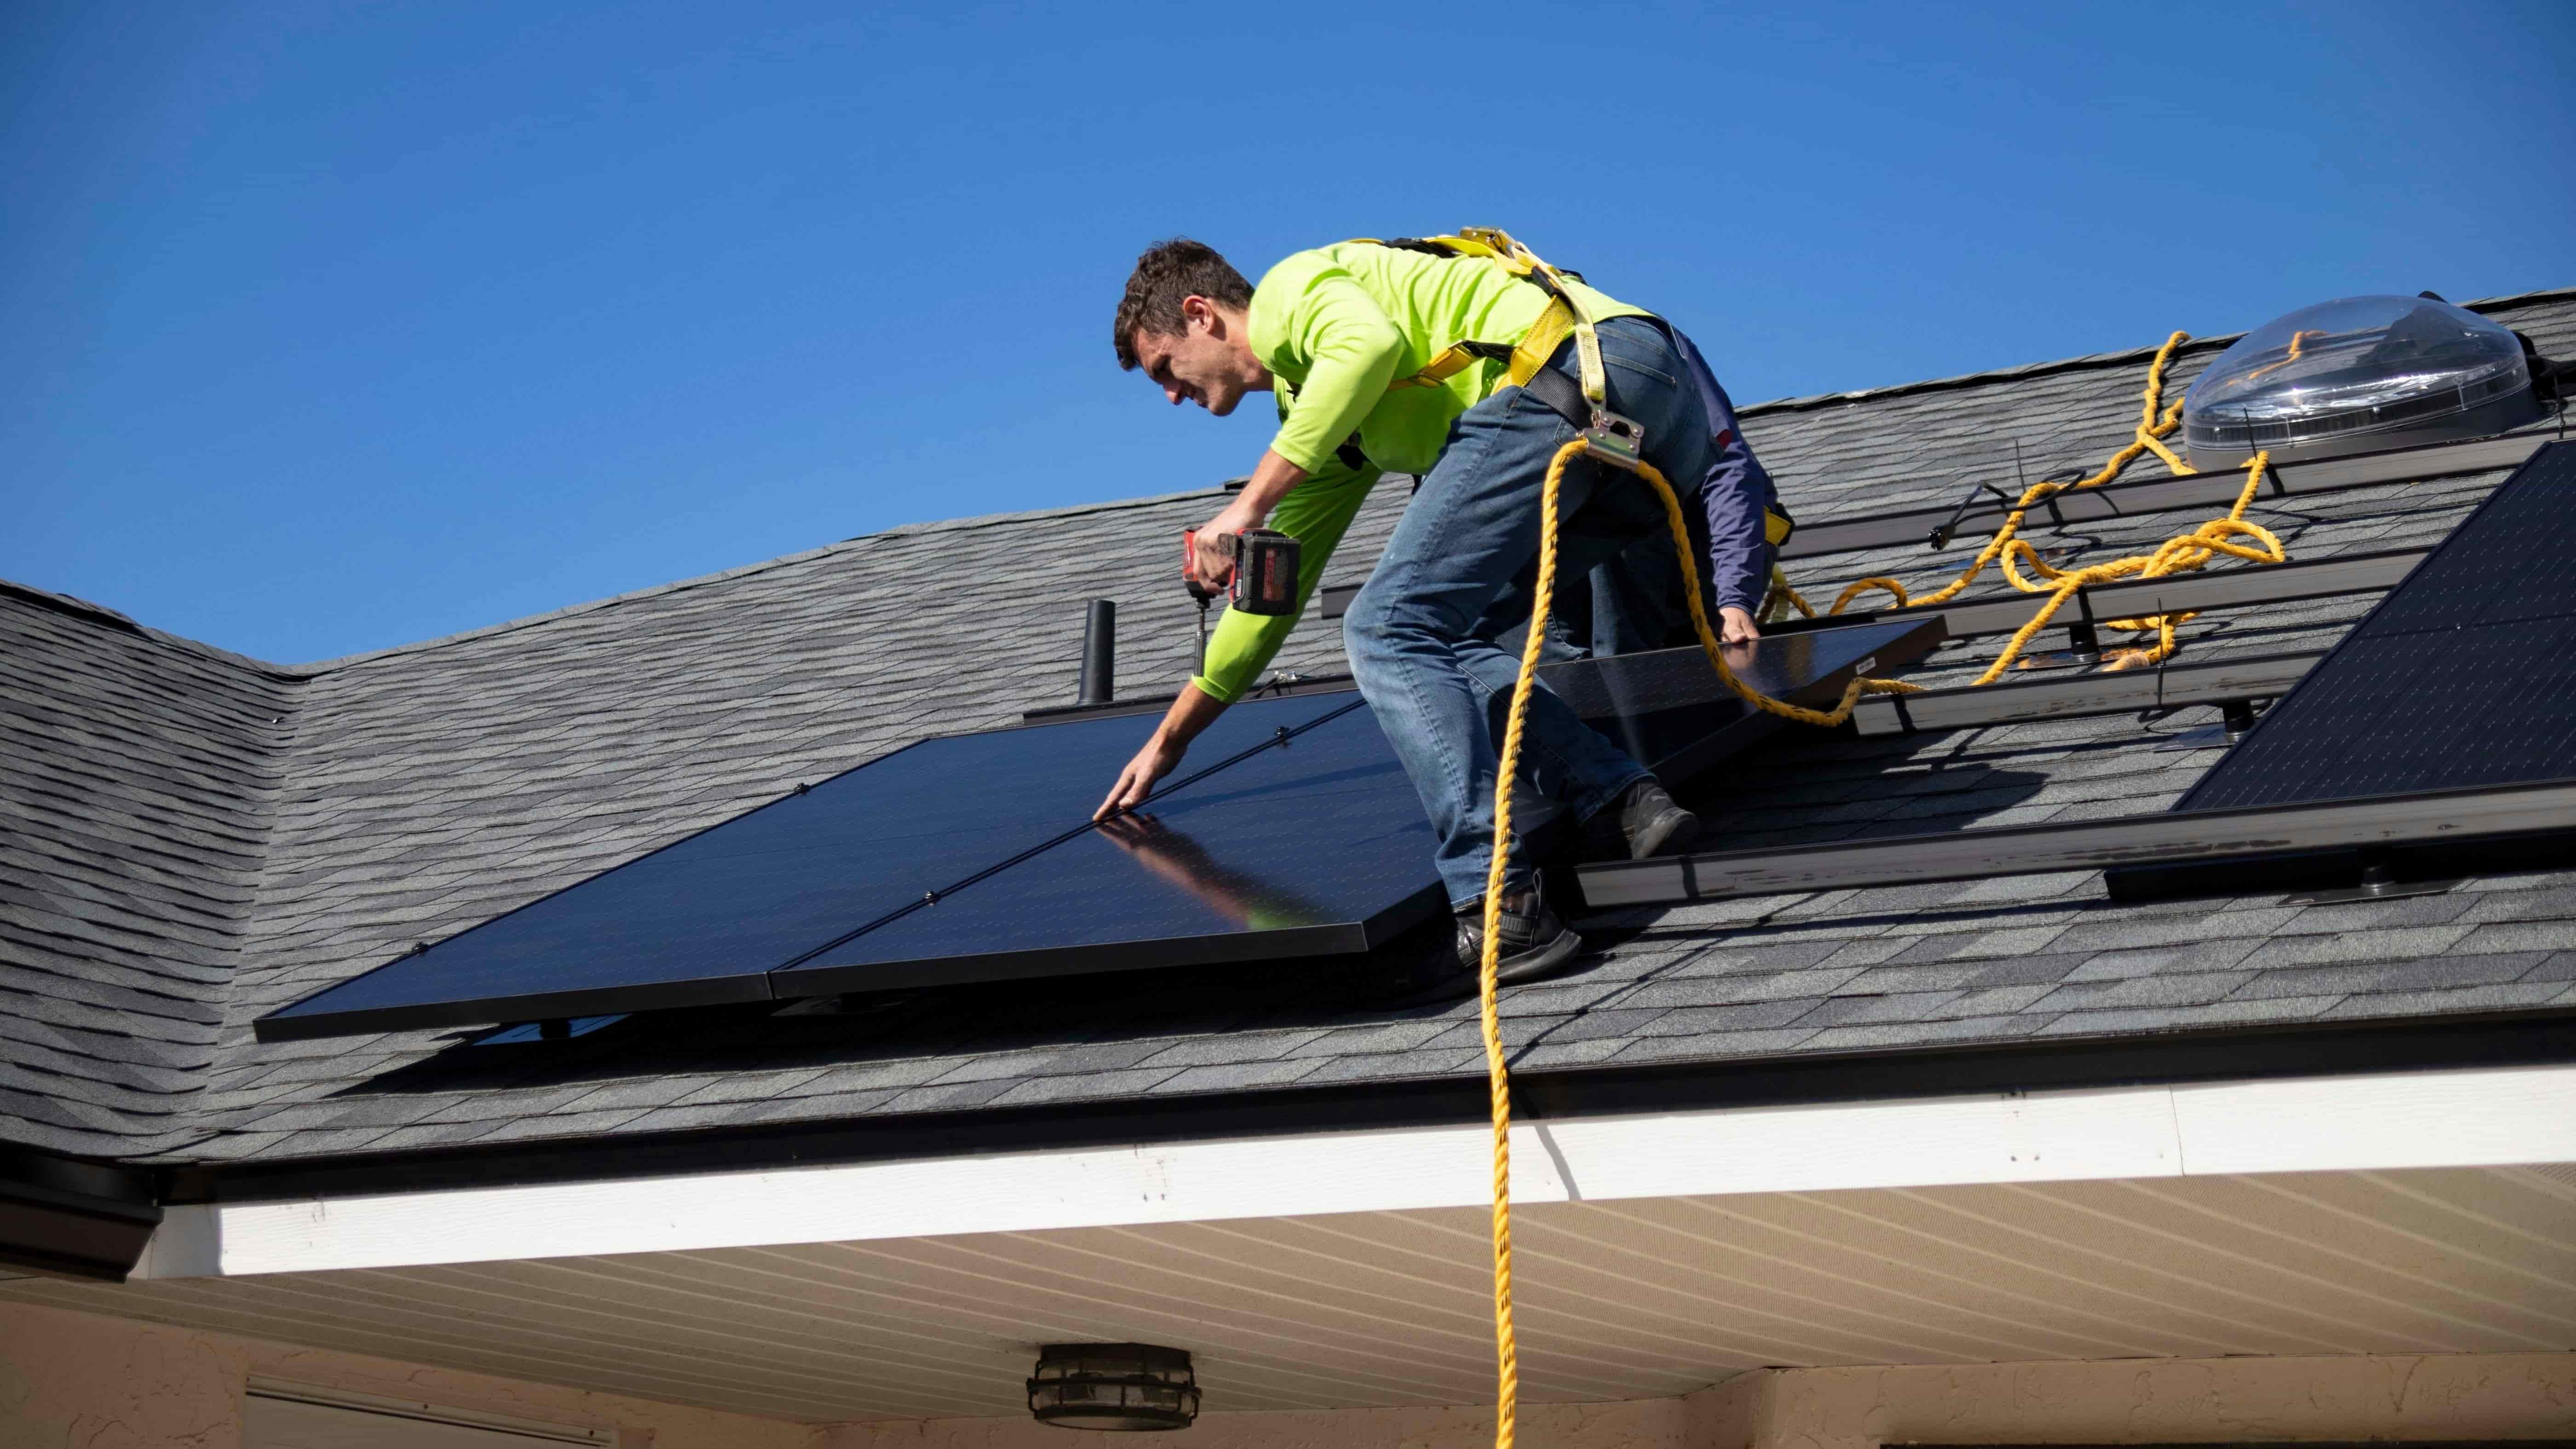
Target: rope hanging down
[(1497, 1070), (2179, 554)]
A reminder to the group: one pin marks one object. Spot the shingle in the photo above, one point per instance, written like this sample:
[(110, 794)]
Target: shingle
[(1229, 1049), (2556, 966), (2499, 997), (2518, 936), (1234, 1076), (2181, 1018), (2435, 974), (1733, 987), (1091, 1087), (2399, 944), (1713, 1045), (2191, 989)]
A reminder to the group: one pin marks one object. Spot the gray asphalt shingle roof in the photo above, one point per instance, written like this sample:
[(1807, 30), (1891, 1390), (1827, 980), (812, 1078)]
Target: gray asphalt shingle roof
[(195, 838)]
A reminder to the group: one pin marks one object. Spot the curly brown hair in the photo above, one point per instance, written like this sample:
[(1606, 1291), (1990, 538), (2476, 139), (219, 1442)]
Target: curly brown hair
[(1165, 276)]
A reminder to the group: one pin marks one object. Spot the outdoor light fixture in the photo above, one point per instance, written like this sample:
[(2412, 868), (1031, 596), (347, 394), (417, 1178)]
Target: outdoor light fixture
[(1114, 1386), (2355, 376)]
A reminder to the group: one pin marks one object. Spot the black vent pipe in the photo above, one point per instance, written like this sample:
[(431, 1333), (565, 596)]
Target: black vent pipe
[(1099, 652)]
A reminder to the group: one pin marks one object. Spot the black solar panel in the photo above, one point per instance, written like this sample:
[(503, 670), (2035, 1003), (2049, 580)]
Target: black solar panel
[(704, 920), (970, 858), (2464, 675), (1315, 847)]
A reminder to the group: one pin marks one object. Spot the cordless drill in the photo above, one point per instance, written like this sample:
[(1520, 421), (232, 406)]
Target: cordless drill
[(1262, 581)]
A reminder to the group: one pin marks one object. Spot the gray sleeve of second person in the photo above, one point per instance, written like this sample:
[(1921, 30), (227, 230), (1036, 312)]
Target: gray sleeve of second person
[(1734, 493)]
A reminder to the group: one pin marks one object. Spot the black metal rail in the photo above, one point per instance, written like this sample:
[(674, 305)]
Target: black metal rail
[(2217, 681), (2446, 817)]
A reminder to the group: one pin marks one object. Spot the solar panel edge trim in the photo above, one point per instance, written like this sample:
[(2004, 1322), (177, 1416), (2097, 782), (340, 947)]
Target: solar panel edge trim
[(537, 1006)]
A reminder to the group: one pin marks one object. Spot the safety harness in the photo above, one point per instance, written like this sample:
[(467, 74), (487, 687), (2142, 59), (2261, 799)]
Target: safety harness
[(1615, 440)]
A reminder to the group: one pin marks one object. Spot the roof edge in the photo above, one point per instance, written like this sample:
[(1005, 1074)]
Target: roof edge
[(2090, 361), (2286, 1050)]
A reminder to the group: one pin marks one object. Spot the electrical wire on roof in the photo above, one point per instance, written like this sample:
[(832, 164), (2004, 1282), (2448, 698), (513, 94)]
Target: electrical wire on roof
[(2179, 554)]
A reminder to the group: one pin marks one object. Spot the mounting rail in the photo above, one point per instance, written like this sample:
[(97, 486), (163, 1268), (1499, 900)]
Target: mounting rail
[(2448, 817), (2217, 681)]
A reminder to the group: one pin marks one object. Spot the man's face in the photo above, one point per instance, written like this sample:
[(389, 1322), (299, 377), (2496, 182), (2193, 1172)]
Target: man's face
[(1208, 364)]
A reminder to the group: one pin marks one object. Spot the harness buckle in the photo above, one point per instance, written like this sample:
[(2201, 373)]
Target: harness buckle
[(1617, 441)]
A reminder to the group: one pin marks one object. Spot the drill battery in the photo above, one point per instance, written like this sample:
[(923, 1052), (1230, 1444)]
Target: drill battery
[(1264, 577)]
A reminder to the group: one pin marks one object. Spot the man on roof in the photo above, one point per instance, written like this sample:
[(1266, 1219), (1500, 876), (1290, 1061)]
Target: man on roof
[(1346, 337)]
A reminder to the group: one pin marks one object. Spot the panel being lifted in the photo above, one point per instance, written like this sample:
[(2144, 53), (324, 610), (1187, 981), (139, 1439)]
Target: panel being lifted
[(2464, 676)]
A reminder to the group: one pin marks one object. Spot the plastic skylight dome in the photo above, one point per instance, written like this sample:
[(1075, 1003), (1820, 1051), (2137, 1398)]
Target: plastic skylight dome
[(2357, 375)]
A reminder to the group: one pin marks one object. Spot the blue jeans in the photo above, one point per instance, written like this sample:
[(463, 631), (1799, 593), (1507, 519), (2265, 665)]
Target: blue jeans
[(1421, 634)]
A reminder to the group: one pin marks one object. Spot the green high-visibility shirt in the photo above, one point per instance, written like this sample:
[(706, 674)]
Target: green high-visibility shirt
[(1335, 326)]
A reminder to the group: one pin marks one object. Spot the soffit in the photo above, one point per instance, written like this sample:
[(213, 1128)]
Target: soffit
[(1623, 1300)]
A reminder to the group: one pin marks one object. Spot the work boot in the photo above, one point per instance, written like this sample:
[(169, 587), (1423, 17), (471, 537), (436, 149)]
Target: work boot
[(1651, 823), (1536, 944)]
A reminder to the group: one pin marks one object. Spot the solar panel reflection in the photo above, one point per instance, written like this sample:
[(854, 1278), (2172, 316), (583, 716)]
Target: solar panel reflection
[(1316, 846)]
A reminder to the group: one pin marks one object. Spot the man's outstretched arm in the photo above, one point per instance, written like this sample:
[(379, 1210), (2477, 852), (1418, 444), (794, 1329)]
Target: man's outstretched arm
[(1182, 723), (1316, 512)]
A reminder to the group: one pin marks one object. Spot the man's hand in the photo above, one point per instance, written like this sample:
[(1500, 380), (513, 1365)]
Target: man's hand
[(1189, 714), (1212, 560), (1735, 626), (1137, 781)]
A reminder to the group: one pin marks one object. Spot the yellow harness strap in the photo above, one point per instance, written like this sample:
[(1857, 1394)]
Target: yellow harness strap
[(1539, 343), (1544, 336)]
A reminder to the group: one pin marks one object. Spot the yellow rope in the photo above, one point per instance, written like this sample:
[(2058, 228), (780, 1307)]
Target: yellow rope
[(2176, 555), (2188, 551), (1497, 1070)]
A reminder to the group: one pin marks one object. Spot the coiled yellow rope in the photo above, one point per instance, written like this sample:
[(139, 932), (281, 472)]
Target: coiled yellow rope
[(2177, 555), (1497, 1070)]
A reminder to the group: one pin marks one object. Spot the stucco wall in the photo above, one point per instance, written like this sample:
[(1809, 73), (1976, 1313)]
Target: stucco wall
[(1647, 1424), (85, 1381), (2433, 1396), (2467, 1396)]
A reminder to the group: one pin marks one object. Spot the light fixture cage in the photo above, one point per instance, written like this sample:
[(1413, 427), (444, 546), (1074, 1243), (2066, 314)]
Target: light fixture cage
[(2357, 375), (1114, 1386)]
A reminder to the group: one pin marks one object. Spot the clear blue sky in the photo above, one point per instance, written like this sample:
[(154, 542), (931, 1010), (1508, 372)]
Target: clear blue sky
[(326, 327)]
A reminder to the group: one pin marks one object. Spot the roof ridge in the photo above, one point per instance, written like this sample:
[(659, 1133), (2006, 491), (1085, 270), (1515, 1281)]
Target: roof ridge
[(587, 606), (1810, 401)]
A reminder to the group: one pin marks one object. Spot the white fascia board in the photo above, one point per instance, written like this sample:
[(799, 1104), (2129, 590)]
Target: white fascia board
[(2490, 1117)]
